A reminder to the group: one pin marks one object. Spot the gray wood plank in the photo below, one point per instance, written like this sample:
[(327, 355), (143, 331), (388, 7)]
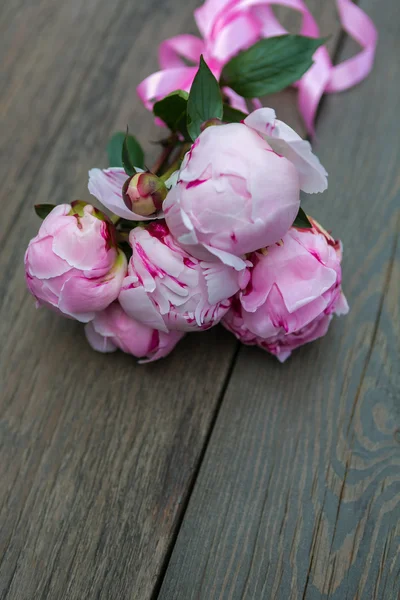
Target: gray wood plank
[(97, 454), (298, 495)]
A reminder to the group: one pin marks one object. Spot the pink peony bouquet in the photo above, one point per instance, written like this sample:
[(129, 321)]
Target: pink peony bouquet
[(213, 233)]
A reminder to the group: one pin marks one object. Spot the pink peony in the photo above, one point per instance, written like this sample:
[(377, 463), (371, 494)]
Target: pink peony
[(112, 329), (239, 188), (73, 265), (166, 288), (294, 290)]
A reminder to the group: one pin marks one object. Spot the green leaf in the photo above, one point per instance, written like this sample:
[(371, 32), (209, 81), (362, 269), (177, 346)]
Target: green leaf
[(42, 210), (173, 111), (270, 65), (115, 150), (232, 115), (205, 100), (132, 154), (301, 221)]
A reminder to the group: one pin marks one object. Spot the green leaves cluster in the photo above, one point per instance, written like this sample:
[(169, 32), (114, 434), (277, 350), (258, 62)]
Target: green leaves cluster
[(268, 66), (185, 113)]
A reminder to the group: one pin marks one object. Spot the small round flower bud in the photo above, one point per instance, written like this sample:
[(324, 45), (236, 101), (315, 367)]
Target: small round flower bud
[(144, 193)]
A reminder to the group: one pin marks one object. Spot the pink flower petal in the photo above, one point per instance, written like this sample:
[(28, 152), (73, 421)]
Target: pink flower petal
[(166, 343), (42, 262), (222, 283), (227, 258), (137, 304), (97, 341), (285, 141)]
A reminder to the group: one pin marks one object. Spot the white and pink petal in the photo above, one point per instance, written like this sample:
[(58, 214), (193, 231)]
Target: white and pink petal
[(285, 141)]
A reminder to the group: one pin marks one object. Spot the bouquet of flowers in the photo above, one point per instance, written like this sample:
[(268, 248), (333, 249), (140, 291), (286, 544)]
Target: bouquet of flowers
[(214, 232)]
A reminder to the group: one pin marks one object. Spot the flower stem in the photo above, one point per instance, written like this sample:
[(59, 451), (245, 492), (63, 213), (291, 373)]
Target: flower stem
[(123, 236), (174, 167), (168, 147), (176, 163), (162, 159)]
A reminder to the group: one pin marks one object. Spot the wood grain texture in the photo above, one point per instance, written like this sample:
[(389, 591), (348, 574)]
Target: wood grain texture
[(97, 454), (298, 496)]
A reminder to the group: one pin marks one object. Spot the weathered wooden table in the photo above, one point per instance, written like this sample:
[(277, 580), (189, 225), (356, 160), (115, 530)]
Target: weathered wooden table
[(218, 472)]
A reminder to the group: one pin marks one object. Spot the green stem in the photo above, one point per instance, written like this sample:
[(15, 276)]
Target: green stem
[(176, 163), (174, 167), (115, 219), (163, 158), (122, 236), (169, 146)]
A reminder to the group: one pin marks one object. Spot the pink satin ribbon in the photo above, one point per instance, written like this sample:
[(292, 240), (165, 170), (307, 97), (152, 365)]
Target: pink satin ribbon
[(228, 26)]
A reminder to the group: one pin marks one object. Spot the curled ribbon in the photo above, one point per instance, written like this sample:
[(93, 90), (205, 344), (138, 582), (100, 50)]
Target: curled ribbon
[(228, 26)]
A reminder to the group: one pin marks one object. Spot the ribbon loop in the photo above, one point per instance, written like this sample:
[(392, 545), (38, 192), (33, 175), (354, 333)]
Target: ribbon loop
[(228, 26)]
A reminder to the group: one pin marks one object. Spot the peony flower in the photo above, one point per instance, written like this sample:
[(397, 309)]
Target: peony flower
[(166, 288), (238, 189), (73, 265), (112, 329), (294, 289)]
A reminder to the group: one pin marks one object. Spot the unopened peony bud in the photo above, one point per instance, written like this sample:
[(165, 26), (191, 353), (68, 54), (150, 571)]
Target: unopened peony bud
[(144, 193), (106, 185), (73, 265), (294, 290)]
